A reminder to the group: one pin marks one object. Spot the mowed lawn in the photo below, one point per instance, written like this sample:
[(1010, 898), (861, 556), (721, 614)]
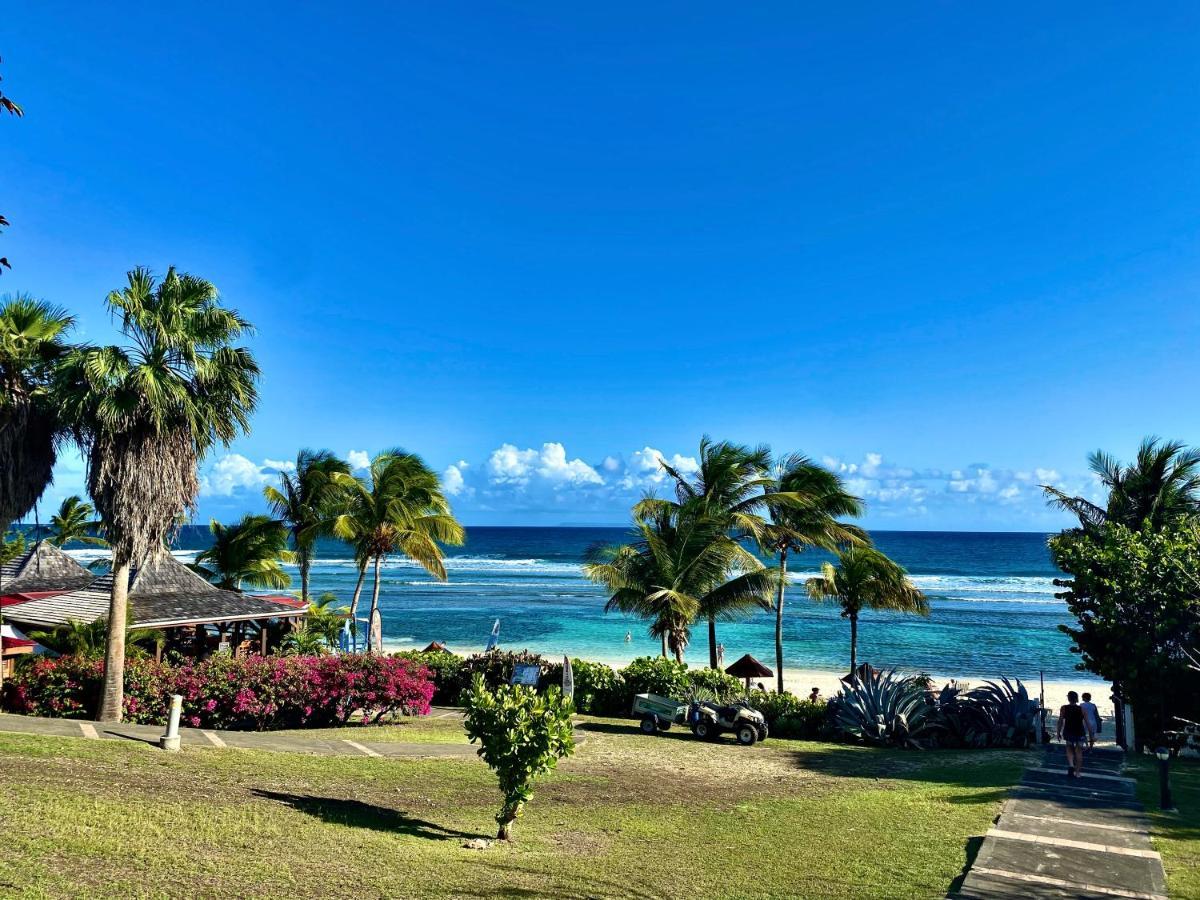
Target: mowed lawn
[(1176, 835), (628, 815)]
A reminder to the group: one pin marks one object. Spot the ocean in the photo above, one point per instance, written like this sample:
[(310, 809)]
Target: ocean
[(993, 609)]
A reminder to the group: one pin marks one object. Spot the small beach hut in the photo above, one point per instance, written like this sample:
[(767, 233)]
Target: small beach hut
[(748, 667)]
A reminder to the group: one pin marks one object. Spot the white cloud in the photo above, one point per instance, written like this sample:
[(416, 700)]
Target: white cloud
[(358, 459), (232, 473), (453, 482), (509, 465), (646, 470), (279, 465)]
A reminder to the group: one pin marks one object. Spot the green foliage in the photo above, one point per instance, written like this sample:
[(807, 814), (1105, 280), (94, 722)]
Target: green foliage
[(250, 552), (789, 716), (656, 675), (1136, 599), (522, 734), (445, 671), (599, 689), (326, 620), (714, 683), (496, 667), (1010, 713), (73, 524), (886, 709), (87, 639), (304, 641)]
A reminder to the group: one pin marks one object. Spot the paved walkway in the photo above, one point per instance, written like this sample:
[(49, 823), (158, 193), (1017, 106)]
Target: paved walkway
[(1066, 838), (280, 741)]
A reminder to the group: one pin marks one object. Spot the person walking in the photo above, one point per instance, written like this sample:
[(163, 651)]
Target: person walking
[(1074, 728), (1091, 712)]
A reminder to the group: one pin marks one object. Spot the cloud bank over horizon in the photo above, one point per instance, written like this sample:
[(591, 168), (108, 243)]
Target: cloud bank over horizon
[(549, 485)]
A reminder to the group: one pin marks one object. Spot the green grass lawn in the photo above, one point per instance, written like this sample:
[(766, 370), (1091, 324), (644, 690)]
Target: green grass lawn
[(628, 815), (406, 729), (1176, 835)]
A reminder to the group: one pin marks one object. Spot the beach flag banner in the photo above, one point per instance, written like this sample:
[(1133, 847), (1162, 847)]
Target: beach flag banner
[(345, 638), (526, 674), (568, 679), (376, 631), (494, 640)]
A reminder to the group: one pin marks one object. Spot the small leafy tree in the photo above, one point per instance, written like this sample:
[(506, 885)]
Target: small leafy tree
[(522, 734)]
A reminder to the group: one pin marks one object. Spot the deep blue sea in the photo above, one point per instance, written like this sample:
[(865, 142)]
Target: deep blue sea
[(992, 596)]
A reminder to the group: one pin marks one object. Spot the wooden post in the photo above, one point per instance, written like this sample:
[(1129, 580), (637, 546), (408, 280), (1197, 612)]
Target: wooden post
[(262, 637)]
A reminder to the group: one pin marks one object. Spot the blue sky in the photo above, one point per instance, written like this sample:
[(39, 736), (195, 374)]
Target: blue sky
[(950, 248)]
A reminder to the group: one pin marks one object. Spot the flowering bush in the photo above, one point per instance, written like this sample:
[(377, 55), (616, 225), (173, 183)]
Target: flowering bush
[(444, 668), (258, 693)]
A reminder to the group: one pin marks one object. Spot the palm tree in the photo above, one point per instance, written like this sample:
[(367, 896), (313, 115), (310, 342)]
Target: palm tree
[(147, 414), (813, 523), (324, 619), (304, 641), (398, 508), (307, 501), (866, 579), (1162, 483), (31, 345), (78, 638), (250, 552), (675, 570), (73, 523), (733, 488)]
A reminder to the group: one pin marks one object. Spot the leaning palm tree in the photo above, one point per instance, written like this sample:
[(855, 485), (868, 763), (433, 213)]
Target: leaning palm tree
[(676, 570), (866, 579), (250, 552), (146, 415), (812, 523), (399, 508), (1162, 484), (31, 344), (732, 487), (73, 523), (307, 501)]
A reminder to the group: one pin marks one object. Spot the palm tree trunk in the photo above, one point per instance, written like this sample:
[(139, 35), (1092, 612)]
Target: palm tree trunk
[(853, 642), (783, 554), (112, 699), (375, 593), (712, 642), (664, 644), (362, 574), (305, 565)]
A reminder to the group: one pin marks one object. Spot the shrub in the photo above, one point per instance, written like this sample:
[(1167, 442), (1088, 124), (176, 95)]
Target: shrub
[(256, 693), (788, 716), (599, 689), (522, 734), (656, 675), (445, 670), (887, 709), (715, 683), (496, 667), (1011, 715)]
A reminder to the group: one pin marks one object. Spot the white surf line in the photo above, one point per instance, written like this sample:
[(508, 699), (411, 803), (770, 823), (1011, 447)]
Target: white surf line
[(1078, 823), (361, 749), (1072, 844), (1070, 885), (1085, 774), (89, 730), (213, 738)]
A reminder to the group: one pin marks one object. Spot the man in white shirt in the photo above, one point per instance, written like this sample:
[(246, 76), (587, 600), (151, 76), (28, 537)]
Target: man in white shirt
[(1091, 712)]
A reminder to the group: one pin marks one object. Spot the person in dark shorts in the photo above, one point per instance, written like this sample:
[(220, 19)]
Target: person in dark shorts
[(1075, 729)]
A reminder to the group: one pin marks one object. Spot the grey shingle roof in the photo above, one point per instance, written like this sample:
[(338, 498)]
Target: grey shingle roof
[(164, 592), (43, 567)]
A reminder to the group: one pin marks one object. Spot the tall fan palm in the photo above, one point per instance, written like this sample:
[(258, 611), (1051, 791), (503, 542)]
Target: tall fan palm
[(813, 523), (73, 523), (250, 552), (866, 579), (677, 568), (1161, 484), (307, 501), (732, 487), (146, 414), (31, 344), (399, 508)]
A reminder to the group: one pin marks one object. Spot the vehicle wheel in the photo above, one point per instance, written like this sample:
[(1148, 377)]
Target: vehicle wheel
[(664, 725), (762, 732), (649, 725), (747, 735), (702, 730)]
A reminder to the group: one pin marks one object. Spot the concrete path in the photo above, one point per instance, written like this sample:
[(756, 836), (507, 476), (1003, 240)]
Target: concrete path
[(1059, 837), (279, 741)]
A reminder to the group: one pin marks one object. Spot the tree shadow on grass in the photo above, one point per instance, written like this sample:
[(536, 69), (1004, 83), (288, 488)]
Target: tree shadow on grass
[(339, 811), (677, 732)]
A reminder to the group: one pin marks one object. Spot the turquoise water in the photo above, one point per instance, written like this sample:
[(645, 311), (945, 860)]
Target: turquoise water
[(992, 597)]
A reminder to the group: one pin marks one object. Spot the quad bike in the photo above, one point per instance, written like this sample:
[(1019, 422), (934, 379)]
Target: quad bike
[(705, 719)]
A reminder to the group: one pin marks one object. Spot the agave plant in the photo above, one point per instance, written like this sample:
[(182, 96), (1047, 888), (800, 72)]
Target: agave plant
[(888, 709), (964, 722), (1012, 715)]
